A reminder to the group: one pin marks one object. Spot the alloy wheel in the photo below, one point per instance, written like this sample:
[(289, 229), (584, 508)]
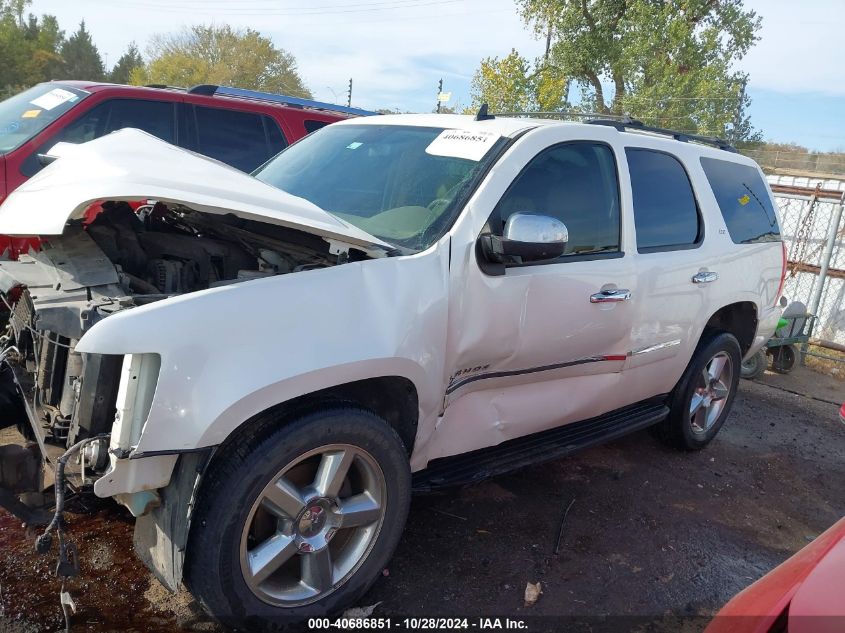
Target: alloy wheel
[(713, 386), (313, 525)]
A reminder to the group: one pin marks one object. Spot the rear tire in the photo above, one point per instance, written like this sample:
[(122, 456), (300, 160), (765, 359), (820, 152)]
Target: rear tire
[(300, 521), (702, 399)]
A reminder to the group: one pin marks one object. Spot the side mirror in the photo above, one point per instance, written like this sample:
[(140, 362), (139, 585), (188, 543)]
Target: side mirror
[(527, 237), (45, 159)]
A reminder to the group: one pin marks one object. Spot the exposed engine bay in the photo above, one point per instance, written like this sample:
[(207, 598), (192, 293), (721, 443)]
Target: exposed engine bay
[(120, 259)]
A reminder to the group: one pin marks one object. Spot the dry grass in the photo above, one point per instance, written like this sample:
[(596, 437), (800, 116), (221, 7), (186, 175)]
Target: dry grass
[(835, 368)]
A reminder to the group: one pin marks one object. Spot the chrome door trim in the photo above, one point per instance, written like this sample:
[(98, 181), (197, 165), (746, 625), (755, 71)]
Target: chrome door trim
[(655, 348), (457, 384)]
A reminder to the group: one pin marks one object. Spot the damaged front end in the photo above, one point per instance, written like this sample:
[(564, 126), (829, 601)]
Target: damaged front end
[(106, 248), (123, 259)]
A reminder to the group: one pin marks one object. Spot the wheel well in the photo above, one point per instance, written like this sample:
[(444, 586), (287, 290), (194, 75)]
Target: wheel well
[(739, 319), (393, 398)]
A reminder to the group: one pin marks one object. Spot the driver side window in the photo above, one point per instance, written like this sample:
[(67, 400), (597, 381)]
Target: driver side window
[(576, 183)]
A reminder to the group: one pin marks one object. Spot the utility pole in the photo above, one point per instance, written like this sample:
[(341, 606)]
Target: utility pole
[(439, 92), (349, 95)]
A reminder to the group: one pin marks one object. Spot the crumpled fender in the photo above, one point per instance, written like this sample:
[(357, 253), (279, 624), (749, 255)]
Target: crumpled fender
[(229, 353)]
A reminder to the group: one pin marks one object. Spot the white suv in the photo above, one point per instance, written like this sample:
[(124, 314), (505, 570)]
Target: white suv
[(393, 303)]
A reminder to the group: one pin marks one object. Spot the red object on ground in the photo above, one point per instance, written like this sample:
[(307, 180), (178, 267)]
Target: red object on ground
[(282, 125), (805, 594), (842, 414)]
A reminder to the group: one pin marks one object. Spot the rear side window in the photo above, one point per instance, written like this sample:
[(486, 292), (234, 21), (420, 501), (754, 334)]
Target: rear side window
[(744, 201), (244, 140), (665, 212)]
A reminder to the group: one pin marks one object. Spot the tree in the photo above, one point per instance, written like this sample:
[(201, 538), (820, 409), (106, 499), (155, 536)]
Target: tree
[(81, 57), (15, 9), (29, 49), (15, 51), (513, 84), (224, 56), (128, 62), (48, 41), (668, 62)]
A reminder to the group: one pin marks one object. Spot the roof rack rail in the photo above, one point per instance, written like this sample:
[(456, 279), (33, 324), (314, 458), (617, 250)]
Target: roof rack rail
[(627, 124), (163, 86), (559, 114), (210, 90)]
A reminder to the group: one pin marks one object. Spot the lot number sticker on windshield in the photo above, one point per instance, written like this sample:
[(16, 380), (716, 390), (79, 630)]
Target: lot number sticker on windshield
[(462, 144), (55, 97)]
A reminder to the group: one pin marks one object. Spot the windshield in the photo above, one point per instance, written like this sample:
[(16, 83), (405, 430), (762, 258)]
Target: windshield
[(403, 184), (27, 113)]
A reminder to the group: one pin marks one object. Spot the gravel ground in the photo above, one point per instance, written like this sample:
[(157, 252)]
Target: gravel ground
[(652, 534)]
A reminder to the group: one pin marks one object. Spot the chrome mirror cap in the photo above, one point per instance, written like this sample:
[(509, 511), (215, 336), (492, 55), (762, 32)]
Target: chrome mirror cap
[(535, 229)]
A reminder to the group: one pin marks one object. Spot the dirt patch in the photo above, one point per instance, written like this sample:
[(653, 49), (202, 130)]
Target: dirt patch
[(109, 592), (807, 381)]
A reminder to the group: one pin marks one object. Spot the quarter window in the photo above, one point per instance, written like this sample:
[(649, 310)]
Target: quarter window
[(312, 125), (576, 183), (665, 212), (744, 200), (244, 140)]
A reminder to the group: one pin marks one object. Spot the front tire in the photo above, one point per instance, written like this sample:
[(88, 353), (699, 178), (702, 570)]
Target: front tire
[(300, 521), (702, 399)]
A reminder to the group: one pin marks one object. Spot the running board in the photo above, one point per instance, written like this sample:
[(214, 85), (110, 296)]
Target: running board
[(539, 447)]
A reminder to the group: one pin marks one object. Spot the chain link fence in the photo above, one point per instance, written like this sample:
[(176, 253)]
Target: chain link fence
[(798, 161), (813, 229)]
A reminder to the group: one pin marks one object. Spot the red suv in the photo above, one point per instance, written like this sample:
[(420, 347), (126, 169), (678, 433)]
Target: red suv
[(242, 128)]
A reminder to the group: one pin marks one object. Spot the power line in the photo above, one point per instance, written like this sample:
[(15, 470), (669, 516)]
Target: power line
[(312, 11), (261, 4), (658, 99), (272, 5)]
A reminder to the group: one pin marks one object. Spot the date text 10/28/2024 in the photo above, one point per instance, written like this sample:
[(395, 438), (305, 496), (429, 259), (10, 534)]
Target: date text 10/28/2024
[(417, 624)]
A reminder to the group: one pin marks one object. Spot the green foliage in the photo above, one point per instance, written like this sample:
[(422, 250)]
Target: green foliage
[(513, 84), (128, 62), (667, 62), (219, 54), (81, 57), (29, 49), (49, 39)]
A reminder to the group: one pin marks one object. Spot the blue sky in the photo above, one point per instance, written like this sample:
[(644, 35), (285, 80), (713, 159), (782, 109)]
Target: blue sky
[(396, 50)]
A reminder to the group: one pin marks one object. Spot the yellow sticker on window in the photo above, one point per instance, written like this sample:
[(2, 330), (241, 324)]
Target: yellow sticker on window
[(744, 200), (30, 114)]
